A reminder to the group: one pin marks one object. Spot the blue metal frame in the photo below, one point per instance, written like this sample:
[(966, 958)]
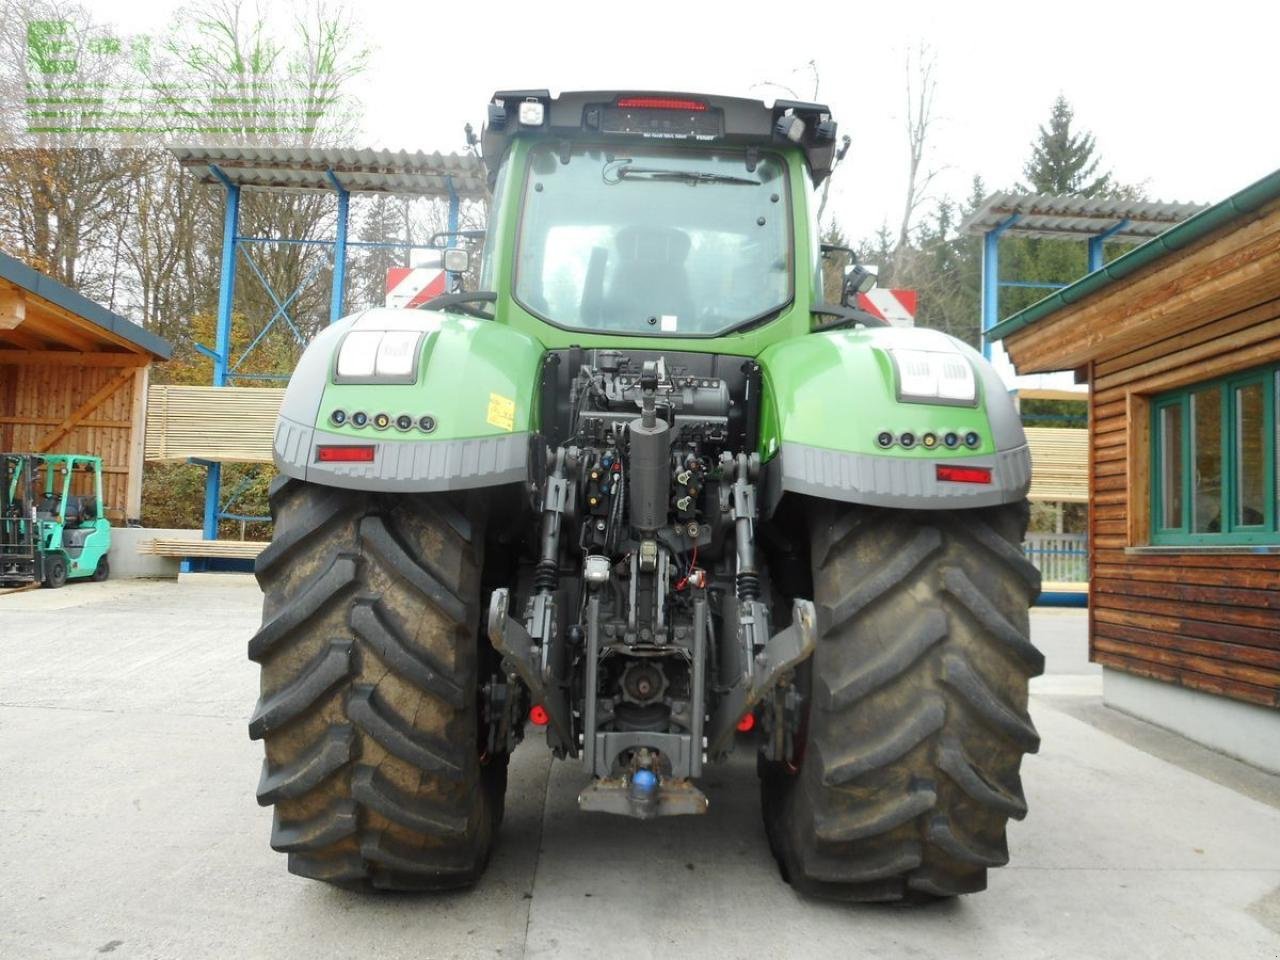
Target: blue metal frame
[(224, 369), (991, 282)]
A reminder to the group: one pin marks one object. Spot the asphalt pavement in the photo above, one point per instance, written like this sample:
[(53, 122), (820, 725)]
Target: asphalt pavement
[(131, 828)]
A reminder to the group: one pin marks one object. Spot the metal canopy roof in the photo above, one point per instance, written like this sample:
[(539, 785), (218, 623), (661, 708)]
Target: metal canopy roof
[(1049, 217), (357, 171)]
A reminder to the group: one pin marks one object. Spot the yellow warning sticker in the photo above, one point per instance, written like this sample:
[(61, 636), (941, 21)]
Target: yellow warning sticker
[(502, 412)]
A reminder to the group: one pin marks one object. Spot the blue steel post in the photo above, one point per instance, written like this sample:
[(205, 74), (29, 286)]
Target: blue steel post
[(222, 341), (451, 277), (991, 278), (1095, 245), (339, 250)]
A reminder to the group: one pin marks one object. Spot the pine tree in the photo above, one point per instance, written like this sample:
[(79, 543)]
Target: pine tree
[(1063, 163)]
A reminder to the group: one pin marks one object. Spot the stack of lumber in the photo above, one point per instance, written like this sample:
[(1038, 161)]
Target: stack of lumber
[(1059, 464), (224, 424), (177, 547)]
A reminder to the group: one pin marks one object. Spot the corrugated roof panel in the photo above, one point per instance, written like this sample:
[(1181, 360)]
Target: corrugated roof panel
[(1046, 216), (358, 170)]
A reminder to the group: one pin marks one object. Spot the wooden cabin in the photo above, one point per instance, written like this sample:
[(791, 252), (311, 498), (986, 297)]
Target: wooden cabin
[(73, 379), (1179, 341)]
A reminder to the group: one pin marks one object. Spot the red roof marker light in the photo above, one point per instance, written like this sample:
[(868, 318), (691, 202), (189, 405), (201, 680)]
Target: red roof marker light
[(661, 103)]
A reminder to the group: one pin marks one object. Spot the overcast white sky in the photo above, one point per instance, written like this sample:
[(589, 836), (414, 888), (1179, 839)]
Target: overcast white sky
[(1180, 96)]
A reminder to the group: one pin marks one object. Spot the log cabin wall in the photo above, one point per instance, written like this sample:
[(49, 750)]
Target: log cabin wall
[(1200, 615), (1202, 619)]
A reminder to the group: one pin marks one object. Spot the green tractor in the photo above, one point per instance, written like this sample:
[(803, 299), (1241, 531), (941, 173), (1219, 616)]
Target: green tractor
[(644, 493), (48, 534)]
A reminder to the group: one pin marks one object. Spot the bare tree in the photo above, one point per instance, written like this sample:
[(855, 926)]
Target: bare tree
[(920, 89)]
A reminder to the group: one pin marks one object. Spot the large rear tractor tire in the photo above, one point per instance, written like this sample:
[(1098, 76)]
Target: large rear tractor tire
[(370, 654), (917, 718)]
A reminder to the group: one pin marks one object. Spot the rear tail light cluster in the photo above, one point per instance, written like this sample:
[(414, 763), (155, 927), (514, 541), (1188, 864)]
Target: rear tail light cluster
[(951, 440), (381, 421)]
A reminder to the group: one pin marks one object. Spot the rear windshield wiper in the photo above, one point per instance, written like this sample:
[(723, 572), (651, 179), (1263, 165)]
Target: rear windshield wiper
[(682, 176), (462, 302)]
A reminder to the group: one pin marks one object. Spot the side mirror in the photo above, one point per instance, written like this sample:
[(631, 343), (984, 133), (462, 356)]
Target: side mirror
[(857, 279)]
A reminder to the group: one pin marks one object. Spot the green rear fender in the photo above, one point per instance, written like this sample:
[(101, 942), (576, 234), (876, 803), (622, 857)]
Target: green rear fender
[(471, 406), (828, 396)]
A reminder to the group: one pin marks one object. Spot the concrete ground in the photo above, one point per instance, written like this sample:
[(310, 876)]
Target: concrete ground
[(131, 827)]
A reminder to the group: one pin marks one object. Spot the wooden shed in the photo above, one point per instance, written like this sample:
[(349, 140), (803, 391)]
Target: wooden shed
[(73, 379), (1179, 341)]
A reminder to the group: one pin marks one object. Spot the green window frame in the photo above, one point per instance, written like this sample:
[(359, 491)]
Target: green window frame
[(1207, 471)]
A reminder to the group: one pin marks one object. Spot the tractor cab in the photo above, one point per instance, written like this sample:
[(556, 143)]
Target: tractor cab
[(53, 526)]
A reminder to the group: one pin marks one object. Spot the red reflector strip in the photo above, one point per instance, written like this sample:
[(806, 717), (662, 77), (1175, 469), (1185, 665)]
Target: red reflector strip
[(964, 474), (661, 103), (344, 454), (538, 715), (746, 723)]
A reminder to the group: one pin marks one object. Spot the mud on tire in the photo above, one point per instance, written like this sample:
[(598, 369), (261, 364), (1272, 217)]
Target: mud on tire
[(370, 653), (918, 705)]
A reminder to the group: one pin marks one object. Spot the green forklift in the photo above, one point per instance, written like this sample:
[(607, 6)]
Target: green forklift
[(48, 533)]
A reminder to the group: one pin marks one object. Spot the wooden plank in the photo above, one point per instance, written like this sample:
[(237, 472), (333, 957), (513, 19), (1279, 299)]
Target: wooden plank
[(22, 339), (72, 358), (1246, 577), (1186, 678), (13, 308), (54, 421), (64, 334), (137, 443), (1184, 608), (1178, 626), (174, 547), (1182, 659), (1190, 557), (1177, 368), (1138, 467), (1249, 355), (1267, 658), (226, 424), (1209, 329), (1240, 599), (73, 418), (1044, 393)]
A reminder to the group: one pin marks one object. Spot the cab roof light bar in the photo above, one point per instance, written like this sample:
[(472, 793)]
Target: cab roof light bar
[(625, 115)]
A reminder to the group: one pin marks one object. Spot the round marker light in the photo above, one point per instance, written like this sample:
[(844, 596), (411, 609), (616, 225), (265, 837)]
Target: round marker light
[(972, 440), (382, 421), (404, 422), (426, 423), (538, 715), (884, 439), (746, 723), (930, 440), (908, 440), (359, 418), (338, 417), (951, 440)]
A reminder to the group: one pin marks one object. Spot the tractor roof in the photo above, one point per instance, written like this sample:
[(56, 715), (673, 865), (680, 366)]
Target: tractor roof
[(661, 116)]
